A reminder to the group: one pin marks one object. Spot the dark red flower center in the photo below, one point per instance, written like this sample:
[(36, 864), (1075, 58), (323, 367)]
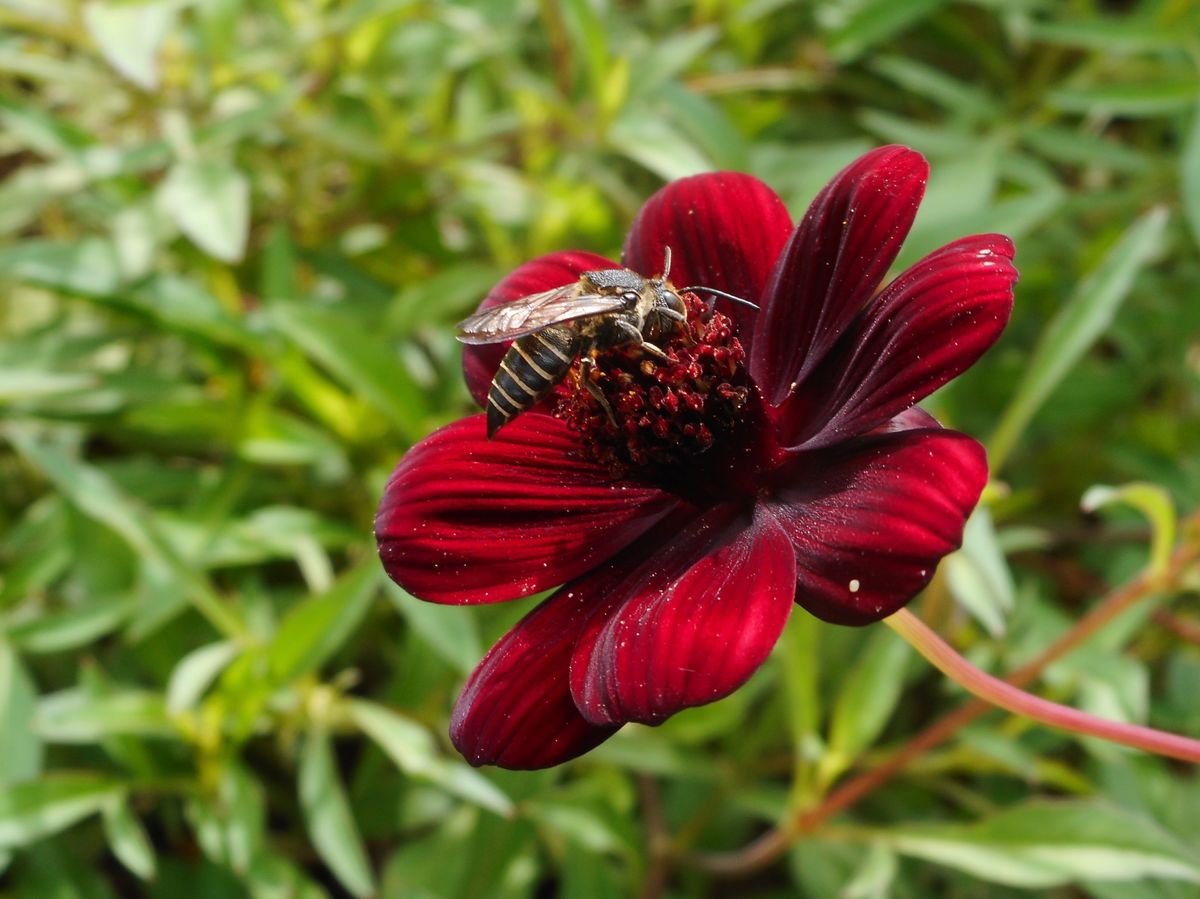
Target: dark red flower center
[(671, 420)]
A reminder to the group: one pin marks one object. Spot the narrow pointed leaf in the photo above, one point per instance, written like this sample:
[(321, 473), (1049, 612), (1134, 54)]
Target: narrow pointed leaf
[(128, 840), (318, 627), (37, 809), (357, 357), (328, 817), (130, 35), (1045, 844), (1084, 317), (867, 699), (20, 747), (195, 673), (412, 749)]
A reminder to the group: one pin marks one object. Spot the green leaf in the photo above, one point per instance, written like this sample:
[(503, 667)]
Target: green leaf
[(20, 747), (866, 701), (873, 22), (586, 875), (958, 96), (34, 810), (452, 635), (76, 715), (671, 55), (1077, 146), (183, 306), (357, 357), (1151, 98), (138, 232), (579, 822), (277, 266), (589, 39), (315, 629), (1154, 502), (18, 386), (328, 817), (1189, 177), (1076, 326), (210, 202), (412, 749), (406, 743), (88, 266), (1127, 34), (130, 35), (875, 877), (97, 496), (128, 839), (496, 860), (229, 826), (275, 877), (664, 150), (195, 673), (72, 628), (978, 575), (1046, 844)]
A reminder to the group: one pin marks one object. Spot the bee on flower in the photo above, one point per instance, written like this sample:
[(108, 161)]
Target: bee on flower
[(683, 501)]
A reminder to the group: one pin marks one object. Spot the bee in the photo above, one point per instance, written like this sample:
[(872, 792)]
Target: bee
[(603, 310)]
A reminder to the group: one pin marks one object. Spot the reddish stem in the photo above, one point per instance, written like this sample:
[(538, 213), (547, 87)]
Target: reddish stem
[(991, 689)]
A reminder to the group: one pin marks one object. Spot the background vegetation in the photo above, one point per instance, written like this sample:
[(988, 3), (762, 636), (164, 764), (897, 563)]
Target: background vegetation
[(234, 236)]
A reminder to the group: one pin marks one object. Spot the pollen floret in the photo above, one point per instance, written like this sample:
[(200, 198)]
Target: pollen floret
[(663, 411)]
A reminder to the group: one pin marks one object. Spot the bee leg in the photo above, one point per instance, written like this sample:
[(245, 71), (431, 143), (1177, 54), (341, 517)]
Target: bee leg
[(631, 332), (586, 364), (650, 348)]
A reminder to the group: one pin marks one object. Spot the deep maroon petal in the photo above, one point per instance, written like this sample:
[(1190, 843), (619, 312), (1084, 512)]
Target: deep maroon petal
[(927, 327), (725, 230), (465, 519), (833, 263), (544, 273), (516, 710), (869, 520), (690, 625)]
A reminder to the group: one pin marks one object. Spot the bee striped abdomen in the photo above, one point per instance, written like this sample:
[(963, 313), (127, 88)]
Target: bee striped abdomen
[(529, 371)]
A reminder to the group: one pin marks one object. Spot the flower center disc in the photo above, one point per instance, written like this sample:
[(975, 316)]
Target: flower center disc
[(665, 413)]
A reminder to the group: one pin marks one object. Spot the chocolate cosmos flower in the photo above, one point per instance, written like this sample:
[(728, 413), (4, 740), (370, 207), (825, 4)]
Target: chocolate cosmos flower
[(777, 458)]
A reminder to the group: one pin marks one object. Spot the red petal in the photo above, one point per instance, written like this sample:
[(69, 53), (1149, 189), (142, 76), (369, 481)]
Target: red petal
[(516, 710), (725, 230), (465, 519), (690, 625), (927, 327), (869, 520), (833, 263), (544, 273)]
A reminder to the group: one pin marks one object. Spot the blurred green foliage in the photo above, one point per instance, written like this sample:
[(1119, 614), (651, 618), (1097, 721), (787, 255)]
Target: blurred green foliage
[(233, 238)]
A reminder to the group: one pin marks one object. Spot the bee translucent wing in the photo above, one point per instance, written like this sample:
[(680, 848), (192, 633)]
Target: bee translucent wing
[(534, 312)]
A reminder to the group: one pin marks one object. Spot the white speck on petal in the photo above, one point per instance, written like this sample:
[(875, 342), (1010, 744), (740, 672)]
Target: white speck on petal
[(854, 585)]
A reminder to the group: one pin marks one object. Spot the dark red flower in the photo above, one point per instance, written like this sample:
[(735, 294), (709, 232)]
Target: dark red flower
[(777, 458)]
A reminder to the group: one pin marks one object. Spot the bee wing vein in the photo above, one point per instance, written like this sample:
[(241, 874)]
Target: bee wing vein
[(533, 313)]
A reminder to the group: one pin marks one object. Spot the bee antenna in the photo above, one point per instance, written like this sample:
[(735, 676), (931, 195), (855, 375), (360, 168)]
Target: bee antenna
[(719, 293), (666, 263)]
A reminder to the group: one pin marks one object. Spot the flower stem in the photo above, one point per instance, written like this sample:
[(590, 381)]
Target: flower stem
[(940, 654)]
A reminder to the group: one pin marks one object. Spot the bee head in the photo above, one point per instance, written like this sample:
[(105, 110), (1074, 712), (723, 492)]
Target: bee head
[(667, 298)]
